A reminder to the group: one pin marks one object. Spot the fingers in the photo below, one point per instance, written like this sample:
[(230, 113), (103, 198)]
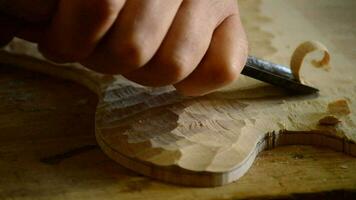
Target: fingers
[(135, 37), (197, 45), (223, 62), (77, 27), (184, 45)]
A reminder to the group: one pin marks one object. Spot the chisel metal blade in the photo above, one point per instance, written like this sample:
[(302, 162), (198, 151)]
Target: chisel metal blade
[(275, 74)]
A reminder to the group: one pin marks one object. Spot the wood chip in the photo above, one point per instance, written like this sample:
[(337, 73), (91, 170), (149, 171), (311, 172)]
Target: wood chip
[(329, 121), (302, 51), (340, 107)]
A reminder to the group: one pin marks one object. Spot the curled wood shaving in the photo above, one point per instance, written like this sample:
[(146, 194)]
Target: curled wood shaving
[(302, 51)]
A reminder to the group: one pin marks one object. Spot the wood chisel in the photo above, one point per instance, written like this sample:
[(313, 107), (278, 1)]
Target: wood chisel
[(275, 74)]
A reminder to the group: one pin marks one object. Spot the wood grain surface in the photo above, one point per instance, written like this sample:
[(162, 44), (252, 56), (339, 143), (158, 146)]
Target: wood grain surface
[(36, 152)]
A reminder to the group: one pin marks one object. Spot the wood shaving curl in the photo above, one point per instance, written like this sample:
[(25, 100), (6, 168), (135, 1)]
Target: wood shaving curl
[(302, 51)]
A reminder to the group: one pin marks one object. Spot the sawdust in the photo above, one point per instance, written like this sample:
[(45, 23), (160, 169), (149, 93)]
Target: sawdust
[(339, 107)]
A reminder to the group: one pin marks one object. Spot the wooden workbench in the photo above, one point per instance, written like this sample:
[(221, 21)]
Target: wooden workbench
[(48, 149)]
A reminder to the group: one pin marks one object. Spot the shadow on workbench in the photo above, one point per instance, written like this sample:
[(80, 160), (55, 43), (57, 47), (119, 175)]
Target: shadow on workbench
[(329, 195), (47, 142)]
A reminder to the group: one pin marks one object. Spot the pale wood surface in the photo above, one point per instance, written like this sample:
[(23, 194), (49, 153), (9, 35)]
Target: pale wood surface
[(206, 193)]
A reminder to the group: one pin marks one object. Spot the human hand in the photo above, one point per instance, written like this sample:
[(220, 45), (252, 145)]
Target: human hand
[(196, 45)]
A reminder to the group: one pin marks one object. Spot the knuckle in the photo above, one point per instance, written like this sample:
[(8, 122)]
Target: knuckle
[(101, 9), (225, 73), (176, 69), (130, 53)]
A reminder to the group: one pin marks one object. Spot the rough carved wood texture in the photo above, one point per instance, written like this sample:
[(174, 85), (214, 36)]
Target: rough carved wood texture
[(182, 136)]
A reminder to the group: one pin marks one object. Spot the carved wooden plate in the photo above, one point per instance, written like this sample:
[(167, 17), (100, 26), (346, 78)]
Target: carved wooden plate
[(206, 141)]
